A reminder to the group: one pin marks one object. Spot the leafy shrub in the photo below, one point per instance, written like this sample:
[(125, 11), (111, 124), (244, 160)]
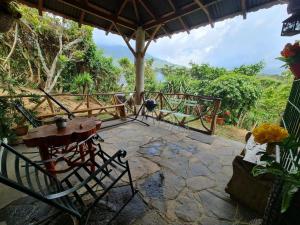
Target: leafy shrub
[(83, 81)]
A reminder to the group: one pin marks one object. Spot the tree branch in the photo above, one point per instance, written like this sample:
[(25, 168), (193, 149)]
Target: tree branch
[(13, 46)]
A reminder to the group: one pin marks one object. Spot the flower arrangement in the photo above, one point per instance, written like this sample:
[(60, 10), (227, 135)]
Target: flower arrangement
[(291, 56), (273, 134), (269, 133)]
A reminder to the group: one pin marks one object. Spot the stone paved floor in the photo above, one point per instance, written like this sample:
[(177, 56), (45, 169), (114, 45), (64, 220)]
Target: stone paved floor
[(181, 181)]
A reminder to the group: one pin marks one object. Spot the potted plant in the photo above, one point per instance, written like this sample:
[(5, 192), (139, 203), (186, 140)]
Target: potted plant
[(291, 56), (276, 165), (9, 14), (20, 128), (6, 122)]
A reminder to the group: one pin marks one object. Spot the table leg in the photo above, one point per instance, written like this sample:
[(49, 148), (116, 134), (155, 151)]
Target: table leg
[(92, 155), (45, 155)]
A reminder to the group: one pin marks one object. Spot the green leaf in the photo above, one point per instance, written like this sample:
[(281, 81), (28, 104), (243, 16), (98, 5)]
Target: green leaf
[(288, 192)]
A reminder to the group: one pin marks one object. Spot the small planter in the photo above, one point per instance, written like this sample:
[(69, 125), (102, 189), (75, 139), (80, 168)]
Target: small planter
[(20, 131), (208, 119), (220, 121), (61, 123), (295, 68)]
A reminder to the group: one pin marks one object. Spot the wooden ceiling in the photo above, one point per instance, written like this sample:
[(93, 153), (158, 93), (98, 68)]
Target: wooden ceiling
[(158, 17)]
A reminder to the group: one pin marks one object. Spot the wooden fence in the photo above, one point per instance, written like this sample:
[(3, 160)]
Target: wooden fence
[(105, 104), (202, 113), (195, 112)]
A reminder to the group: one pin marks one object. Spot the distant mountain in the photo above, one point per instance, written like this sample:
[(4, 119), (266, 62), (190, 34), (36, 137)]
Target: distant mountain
[(119, 51)]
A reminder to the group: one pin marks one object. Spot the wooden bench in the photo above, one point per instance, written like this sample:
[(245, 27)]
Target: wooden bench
[(174, 110)]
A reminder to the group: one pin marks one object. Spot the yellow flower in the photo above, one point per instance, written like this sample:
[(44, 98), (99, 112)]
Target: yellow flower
[(269, 133)]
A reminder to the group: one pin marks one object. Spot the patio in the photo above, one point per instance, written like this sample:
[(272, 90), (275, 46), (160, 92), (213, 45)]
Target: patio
[(181, 180)]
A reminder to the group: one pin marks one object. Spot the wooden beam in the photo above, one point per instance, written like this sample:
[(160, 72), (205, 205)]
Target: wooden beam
[(175, 15), (172, 5), (136, 11), (152, 14), (82, 14), (40, 7), (244, 9), (117, 15), (151, 38), (205, 10), (184, 25), (184, 10), (126, 40), (95, 11)]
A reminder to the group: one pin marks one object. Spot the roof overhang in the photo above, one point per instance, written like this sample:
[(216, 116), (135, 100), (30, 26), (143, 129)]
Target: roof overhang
[(171, 16)]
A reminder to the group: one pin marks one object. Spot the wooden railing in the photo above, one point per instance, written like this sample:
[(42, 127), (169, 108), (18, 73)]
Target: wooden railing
[(105, 104), (196, 112)]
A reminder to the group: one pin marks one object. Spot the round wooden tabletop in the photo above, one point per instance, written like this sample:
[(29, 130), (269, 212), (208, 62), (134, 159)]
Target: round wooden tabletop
[(78, 129)]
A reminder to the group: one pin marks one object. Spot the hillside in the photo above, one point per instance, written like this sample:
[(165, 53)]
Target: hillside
[(119, 51)]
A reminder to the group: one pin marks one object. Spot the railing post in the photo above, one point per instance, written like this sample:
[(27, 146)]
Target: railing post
[(88, 105), (161, 100), (217, 105), (50, 104)]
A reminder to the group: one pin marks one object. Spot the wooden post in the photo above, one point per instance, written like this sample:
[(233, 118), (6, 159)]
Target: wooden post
[(139, 64), (217, 105), (88, 105)]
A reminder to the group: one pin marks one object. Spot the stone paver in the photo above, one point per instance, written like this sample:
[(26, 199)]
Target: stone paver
[(181, 181)]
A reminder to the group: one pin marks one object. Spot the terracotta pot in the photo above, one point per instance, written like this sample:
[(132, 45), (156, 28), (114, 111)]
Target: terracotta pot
[(208, 119), (220, 121), (20, 131), (295, 68)]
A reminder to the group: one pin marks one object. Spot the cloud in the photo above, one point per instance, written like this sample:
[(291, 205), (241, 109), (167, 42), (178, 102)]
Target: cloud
[(231, 43)]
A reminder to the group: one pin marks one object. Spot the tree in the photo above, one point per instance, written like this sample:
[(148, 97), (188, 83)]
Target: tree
[(238, 93), (179, 80), (83, 81), (128, 70), (250, 70)]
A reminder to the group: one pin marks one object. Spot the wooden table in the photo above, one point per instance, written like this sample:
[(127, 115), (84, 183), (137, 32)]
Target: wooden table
[(78, 129)]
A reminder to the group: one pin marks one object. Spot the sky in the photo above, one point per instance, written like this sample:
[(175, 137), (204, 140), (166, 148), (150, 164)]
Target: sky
[(229, 44)]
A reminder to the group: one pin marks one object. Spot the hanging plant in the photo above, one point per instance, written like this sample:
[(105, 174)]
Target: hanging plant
[(9, 14)]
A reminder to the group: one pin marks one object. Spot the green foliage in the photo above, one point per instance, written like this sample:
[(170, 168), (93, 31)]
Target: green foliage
[(272, 102), (291, 180), (6, 120), (83, 81), (179, 80), (250, 70), (128, 71), (238, 92)]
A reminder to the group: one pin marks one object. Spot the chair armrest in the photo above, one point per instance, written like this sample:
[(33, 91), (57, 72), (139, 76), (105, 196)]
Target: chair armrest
[(64, 193)]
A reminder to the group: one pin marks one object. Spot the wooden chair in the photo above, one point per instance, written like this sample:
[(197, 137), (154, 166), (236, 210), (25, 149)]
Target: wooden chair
[(67, 194)]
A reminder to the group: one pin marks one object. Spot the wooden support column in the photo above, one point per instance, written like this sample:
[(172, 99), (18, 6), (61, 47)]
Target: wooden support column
[(139, 64)]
